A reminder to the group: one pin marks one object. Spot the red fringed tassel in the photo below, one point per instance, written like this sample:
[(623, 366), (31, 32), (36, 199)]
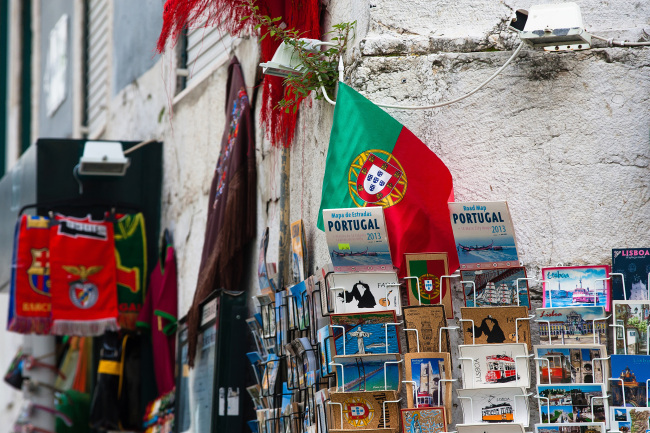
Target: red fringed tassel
[(178, 14), (280, 126), (303, 15)]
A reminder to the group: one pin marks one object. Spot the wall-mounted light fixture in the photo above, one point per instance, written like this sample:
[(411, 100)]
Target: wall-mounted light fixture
[(553, 27), (103, 158)]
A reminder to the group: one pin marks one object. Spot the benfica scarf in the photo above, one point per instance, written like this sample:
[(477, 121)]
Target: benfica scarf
[(83, 277), (29, 306), (373, 160), (131, 263), (302, 15)]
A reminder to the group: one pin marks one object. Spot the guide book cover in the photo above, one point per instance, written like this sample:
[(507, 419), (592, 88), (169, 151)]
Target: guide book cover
[(485, 237), (357, 239)]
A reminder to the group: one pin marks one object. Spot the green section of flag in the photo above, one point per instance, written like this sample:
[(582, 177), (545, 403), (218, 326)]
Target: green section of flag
[(359, 125)]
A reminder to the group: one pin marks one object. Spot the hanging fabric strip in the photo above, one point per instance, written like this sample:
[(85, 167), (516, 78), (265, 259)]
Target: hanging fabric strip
[(30, 304), (83, 277)]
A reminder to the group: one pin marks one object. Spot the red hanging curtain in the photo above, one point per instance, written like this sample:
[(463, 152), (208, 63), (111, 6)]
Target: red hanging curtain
[(302, 15)]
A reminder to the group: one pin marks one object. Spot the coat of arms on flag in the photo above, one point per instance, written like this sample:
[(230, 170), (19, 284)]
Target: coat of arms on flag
[(378, 178)]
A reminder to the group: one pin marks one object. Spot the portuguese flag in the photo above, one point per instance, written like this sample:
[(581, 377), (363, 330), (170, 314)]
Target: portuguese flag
[(375, 161)]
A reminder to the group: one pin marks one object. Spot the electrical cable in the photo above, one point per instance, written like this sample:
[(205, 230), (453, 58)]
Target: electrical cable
[(611, 42), (442, 104)]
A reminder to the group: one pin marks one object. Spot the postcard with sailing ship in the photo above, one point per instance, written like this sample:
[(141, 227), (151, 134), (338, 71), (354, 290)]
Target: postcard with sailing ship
[(485, 237), (357, 239), (493, 287), (566, 286)]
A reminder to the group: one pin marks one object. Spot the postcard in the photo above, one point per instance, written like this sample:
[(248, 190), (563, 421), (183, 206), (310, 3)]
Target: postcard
[(426, 369), (368, 372), (357, 239), (427, 320), (578, 427), (572, 363), (298, 248), (494, 365), (566, 286), (326, 349), (490, 405), (629, 419), (631, 316), (322, 410), (429, 268), (324, 283), (365, 333), (634, 264), (300, 311), (485, 237), (631, 372), (256, 330), (495, 325), (263, 275), (496, 287), (490, 428), (424, 419), (365, 410), (572, 403), (572, 325), (281, 320), (270, 375), (360, 292)]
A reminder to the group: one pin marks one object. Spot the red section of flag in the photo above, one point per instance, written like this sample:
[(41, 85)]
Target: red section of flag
[(420, 221)]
